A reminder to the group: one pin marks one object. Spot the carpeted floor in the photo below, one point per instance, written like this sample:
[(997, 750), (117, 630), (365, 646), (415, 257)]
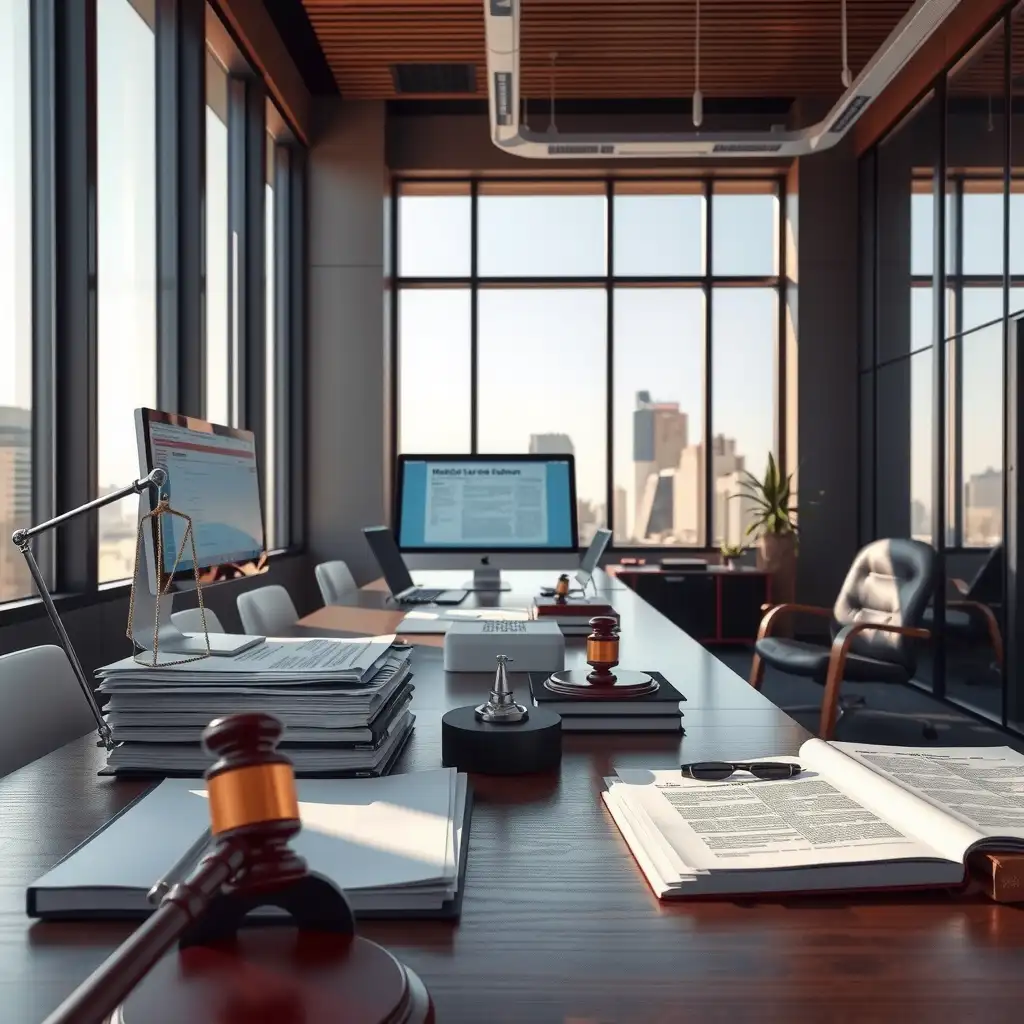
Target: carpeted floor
[(869, 725)]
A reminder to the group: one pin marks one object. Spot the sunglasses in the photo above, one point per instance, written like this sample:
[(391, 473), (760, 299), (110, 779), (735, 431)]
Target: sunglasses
[(715, 771)]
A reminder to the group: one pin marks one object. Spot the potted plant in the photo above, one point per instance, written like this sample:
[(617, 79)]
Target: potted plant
[(730, 554), (774, 527)]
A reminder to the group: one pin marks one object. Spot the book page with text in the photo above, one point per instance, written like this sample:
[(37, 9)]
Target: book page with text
[(982, 787), (915, 816), (748, 824)]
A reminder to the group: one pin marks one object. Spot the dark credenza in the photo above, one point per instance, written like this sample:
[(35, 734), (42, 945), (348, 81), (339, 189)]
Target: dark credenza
[(715, 606)]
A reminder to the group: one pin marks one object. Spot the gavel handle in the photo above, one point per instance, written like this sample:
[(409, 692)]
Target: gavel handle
[(110, 984)]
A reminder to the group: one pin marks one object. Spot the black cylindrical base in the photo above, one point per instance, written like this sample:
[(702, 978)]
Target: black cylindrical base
[(513, 748)]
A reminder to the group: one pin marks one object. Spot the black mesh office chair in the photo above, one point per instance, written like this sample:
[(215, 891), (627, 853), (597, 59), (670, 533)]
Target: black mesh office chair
[(873, 625)]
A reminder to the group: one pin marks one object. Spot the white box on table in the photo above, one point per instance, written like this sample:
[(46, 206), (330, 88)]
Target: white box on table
[(473, 646)]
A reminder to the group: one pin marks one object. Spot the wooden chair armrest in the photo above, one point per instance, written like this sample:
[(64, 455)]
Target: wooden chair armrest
[(772, 612), (837, 664)]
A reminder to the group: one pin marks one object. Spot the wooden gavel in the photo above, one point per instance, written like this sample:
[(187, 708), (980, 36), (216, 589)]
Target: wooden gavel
[(254, 812)]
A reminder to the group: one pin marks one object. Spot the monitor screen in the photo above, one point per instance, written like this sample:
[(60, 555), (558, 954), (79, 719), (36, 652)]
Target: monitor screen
[(486, 503), (212, 477)]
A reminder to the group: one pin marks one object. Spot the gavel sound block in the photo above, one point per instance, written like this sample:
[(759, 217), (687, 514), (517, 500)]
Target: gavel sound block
[(311, 968)]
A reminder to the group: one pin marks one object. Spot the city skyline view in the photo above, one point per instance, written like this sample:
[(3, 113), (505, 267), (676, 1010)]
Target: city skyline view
[(542, 348)]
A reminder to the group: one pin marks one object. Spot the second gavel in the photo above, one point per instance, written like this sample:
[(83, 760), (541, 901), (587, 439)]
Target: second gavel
[(254, 812)]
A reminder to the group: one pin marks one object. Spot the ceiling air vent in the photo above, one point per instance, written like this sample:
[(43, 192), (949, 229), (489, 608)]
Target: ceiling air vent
[(412, 79)]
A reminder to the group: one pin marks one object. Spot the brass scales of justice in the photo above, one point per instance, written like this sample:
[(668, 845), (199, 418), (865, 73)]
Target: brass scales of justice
[(139, 599)]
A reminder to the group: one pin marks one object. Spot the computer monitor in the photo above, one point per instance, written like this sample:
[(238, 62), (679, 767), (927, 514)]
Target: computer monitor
[(487, 513), (212, 477)]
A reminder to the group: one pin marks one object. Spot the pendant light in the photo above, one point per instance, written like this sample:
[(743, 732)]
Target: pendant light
[(847, 78), (698, 96)]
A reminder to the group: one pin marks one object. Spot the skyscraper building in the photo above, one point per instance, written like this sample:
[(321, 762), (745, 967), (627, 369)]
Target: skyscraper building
[(983, 508), (689, 506), (15, 498), (621, 510), (551, 444), (659, 436)]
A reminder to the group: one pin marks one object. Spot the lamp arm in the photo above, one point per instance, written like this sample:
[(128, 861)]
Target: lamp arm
[(21, 539), (155, 479)]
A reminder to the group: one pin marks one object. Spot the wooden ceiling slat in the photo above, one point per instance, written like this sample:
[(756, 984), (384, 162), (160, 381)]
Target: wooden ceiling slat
[(627, 48)]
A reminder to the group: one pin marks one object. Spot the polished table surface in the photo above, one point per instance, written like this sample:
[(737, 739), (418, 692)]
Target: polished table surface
[(558, 923)]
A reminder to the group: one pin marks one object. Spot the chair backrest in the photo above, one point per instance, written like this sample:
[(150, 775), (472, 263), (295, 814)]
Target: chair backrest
[(45, 705), (890, 581), (987, 585), (189, 620), (267, 611), (334, 579)]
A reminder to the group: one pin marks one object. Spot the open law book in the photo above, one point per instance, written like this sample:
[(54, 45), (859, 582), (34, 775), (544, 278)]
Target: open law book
[(859, 816)]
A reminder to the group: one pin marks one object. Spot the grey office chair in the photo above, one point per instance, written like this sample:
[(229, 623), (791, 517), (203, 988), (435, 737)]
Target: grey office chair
[(189, 620), (45, 706), (873, 625), (267, 611), (334, 579)]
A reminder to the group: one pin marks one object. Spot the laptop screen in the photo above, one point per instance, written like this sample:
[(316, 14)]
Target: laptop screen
[(389, 558), (588, 563)]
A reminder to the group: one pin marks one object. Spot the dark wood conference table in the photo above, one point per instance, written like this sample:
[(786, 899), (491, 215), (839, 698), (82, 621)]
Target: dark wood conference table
[(558, 923)]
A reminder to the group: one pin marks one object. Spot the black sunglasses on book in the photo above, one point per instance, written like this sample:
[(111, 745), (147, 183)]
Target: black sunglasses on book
[(715, 771)]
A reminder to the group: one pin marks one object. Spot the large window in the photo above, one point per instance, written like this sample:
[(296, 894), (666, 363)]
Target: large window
[(126, 258), (117, 284), (219, 365), (15, 295), (620, 322), (270, 428)]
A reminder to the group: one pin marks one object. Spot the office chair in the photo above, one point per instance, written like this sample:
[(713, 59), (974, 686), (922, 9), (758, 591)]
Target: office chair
[(876, 616), (267, 611), (45, 706), (334, 579), (188, 620), (972, 612)]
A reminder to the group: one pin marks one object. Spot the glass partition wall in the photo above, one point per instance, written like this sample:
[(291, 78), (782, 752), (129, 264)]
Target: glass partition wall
[(942, 270)]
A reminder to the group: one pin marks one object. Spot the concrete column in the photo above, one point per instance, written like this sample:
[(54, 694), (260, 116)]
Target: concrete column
[(821, 370), (348, 382)]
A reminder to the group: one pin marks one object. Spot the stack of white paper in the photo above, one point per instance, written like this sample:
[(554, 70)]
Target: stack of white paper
[(393, 844), (344, 704)]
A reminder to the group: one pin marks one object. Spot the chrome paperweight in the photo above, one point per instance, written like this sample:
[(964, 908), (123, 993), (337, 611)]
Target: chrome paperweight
[(501, 736), (501, 706)]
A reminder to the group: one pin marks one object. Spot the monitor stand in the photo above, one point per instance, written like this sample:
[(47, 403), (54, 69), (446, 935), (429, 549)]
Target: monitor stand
[(487, 581), (172, 640)]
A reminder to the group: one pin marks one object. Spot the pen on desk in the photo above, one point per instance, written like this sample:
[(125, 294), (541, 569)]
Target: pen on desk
[(179, 870)]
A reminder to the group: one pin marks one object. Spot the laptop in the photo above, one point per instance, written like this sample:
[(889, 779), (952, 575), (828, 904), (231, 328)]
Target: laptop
[(588, 563), (396, 572)]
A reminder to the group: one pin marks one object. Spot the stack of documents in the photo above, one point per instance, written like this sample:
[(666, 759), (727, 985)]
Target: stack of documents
[(857, 816), (396, 845), (344, 705)]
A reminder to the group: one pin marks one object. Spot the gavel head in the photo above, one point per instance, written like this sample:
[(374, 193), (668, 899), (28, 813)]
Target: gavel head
[(251, 785)]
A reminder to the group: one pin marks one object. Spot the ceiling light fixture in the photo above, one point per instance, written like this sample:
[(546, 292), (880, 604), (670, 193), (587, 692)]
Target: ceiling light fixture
[(698, 98), (508, 133)]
